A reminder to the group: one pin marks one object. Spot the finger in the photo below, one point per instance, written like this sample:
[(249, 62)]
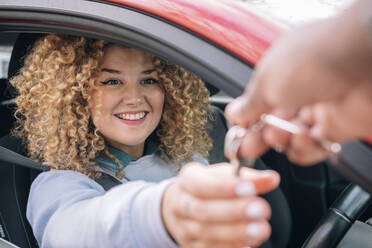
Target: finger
[(275, 137), (323, 123), (331, 123), (253, 145), (306, 116), (216, 181), (220, 181), (247, 108), (263, 180), (285, 113), (305, 151), (203, 244), (246, 233), (214, 211)]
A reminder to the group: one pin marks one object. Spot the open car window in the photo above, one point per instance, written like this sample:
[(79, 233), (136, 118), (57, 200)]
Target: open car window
[(6, 46), (129, 27), (5, 52), (308, 191)]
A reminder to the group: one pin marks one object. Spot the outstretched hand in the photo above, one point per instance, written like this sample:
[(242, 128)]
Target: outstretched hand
[(209, 206), (325, 81)]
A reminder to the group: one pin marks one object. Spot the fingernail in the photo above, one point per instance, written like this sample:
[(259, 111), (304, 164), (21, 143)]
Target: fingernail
[(234, 107), (316, 132), (255, 210), (268, 173), (245, 189), (253, 230)]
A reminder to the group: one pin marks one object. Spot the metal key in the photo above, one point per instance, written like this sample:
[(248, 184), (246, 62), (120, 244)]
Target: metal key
[(233, 140), (277, 122)]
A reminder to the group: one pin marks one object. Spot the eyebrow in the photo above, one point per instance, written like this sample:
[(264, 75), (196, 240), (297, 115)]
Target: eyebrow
[(148, 71), (110, 71), (119, 72)]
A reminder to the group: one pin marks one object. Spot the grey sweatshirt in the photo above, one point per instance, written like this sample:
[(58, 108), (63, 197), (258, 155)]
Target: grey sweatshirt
[(68, 209)]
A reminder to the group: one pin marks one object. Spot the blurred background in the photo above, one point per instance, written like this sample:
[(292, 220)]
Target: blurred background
[(297, 12)]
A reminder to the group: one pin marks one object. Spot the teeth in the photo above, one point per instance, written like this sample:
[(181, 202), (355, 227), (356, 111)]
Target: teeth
[(132, 116)]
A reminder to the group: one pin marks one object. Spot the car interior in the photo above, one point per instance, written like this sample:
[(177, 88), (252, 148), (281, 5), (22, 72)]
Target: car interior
[(304, 196)]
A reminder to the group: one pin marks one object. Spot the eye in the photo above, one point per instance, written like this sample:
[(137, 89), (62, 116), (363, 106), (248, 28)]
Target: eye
[(111, 82), (150, 81)]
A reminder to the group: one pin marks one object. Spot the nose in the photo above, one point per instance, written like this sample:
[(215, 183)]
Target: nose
[(132, 94)]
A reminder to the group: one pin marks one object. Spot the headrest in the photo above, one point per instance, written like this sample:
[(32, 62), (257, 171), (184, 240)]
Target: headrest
[(3, 85), (22, 46), (212, 90)]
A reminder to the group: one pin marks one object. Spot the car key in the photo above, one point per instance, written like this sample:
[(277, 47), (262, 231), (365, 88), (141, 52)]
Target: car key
[(233, 139), (235, 135), (285, 125)]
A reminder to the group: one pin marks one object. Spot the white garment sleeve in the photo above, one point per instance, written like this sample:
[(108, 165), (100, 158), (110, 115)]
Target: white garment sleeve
[(68, 209)]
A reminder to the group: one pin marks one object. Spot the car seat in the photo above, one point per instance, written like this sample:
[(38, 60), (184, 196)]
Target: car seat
[(5, 108), (15, 181)]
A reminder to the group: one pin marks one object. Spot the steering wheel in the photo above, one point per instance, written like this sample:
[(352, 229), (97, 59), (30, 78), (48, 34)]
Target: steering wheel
[(354, 162)]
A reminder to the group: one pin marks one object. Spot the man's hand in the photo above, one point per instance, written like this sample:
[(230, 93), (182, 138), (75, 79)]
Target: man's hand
[(322, 74)]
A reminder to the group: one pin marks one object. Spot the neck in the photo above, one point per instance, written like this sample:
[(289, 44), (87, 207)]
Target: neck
[(135, 151)]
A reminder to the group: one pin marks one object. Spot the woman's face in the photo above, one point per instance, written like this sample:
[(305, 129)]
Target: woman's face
[(132, 99)]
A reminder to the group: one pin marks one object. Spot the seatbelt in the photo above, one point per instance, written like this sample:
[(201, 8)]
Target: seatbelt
[(107, 181), (3, 232), (8, 156), (11, 157), (6, 244)]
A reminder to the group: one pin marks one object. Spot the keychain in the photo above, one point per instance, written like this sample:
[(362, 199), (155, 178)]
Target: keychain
[(235, 136)]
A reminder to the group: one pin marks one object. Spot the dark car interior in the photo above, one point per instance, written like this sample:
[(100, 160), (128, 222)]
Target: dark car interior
[(304, 196)]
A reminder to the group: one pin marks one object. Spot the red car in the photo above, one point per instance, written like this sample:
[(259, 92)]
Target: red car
[(220, 41)]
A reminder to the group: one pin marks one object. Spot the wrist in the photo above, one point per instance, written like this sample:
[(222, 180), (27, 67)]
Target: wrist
[(145, 216), (166, 212), (352, 41), (366, 18)]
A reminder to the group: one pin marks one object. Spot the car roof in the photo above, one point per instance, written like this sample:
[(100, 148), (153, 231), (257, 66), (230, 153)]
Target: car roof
[(221, 40), (233, 25)]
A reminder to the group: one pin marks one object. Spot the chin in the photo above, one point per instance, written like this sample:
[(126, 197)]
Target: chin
[(132, 142)]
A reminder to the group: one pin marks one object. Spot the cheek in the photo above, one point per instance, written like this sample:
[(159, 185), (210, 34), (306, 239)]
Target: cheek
[(157, 99), (100, 103)]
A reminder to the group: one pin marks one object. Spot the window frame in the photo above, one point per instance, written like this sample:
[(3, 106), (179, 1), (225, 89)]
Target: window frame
[(124, 25)]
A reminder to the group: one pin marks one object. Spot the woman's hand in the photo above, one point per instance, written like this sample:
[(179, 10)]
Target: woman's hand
[(209, 206)]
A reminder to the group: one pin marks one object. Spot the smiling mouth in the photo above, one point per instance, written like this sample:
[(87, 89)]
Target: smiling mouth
[(132, 117)]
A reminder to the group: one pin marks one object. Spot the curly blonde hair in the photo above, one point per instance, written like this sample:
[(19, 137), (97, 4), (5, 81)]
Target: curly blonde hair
[(53, 112)]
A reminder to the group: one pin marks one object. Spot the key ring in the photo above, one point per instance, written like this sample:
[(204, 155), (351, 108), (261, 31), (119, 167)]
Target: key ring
[(235, 135), (233, 139)]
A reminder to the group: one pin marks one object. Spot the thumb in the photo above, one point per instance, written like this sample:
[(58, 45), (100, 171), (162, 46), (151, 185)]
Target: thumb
[(247, 108)]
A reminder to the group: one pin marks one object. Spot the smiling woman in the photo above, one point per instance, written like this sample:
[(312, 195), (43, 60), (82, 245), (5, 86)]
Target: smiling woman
[(90, 108), (110, 98)]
